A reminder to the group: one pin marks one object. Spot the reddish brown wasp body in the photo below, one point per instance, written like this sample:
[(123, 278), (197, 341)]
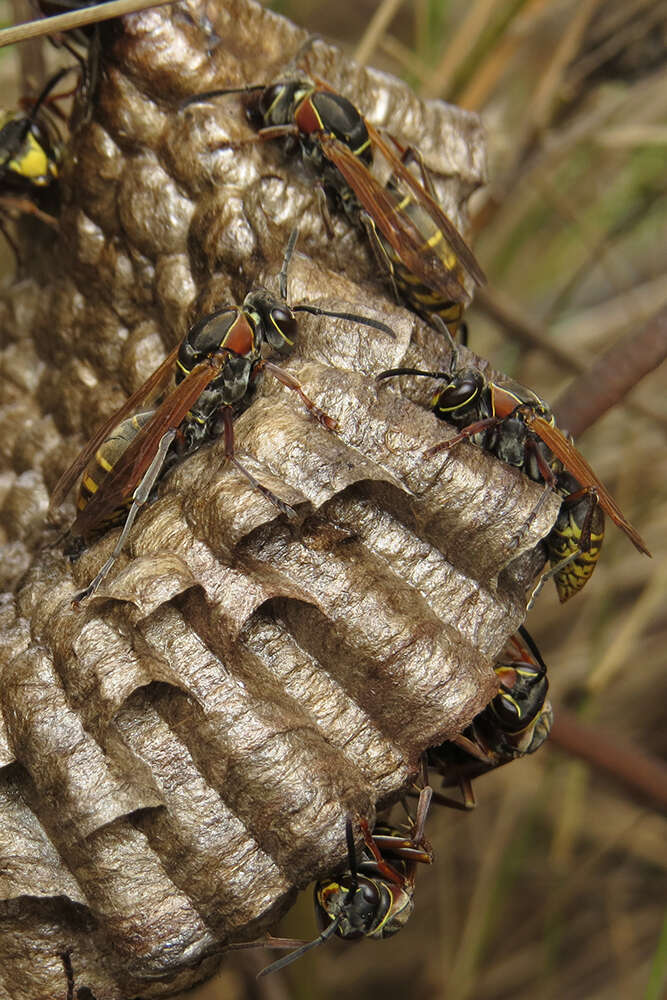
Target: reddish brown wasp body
[(216, 369), (418, 247), (515, 723), (514, 424)]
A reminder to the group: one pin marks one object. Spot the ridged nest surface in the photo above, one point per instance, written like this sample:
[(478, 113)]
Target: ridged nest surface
[(179, 755)]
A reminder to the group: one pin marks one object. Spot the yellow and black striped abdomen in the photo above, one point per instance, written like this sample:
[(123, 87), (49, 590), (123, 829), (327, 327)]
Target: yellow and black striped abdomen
[(565, 540), (413, 291), (106, 457)]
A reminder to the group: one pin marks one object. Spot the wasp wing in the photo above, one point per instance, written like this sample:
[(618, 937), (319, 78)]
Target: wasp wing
[(151, 388), (396, 226), (428, 203), (575, 463), (125, 476)]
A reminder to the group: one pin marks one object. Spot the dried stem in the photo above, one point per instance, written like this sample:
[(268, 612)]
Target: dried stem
[(613, 375), (626, 763)]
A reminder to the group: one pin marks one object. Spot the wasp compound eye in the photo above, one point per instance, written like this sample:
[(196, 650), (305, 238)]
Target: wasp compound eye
[(284, 325), (459, 393), (507, 710)]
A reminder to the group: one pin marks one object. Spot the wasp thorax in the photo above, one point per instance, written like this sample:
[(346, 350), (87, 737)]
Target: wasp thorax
[(339, 116), (205, 337)]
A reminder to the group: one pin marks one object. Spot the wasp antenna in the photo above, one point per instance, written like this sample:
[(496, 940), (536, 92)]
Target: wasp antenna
[(286, 960), (394, 372), (351, 849), (46, 90), (289, 250), (453, 346), (376, 324), (208, 95)]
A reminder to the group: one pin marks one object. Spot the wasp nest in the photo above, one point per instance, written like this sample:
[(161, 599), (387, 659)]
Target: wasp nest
[(179, 754)]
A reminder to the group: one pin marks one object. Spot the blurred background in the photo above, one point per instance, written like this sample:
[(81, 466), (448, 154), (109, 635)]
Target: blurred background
[(555, 885)]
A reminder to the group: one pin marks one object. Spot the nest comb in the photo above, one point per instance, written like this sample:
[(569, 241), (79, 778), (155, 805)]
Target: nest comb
[(179, 755)]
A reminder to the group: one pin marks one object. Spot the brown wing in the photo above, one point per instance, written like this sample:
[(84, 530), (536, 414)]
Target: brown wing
[(151, 388), (448, 229), (121, 482), (575, 463), (396, 226)]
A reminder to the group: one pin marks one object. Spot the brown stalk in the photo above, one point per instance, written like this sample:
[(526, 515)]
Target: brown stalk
[(624, 762), (77, 19), (611, 377)]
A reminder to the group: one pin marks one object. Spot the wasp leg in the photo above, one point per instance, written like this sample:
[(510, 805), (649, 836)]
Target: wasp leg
[(466, 803), (292, 383), (12, 245), (383, 261), (69, 972), (228, 425), (516, 538), (323, 206), (139, 498), (295, 955), (573, 498), (469, 431), (264, 135), (548, 574), (411, 155), (472, 748), (289, 250)]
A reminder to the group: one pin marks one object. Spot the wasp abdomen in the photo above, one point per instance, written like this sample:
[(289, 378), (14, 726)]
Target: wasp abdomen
[(106, 457)]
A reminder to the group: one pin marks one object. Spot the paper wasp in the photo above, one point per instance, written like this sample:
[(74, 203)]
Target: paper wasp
[(30, 145), (216, 369), (417, 246), (514, 424), (374, 897), (515, 723)]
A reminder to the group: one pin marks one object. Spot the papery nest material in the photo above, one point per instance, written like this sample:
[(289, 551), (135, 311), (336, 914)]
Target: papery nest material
[(180, 754)]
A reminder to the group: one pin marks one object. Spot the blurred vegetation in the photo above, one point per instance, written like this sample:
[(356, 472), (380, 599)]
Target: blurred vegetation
[(555, 885)]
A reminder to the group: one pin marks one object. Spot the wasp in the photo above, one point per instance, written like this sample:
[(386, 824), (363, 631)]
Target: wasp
[(514, 424), (216, 370), (83, 992), (515, 723), (374, 897), (30, 147), (417, 246)]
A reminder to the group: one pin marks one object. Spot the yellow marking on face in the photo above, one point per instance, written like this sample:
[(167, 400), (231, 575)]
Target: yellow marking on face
[(33, 163)]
